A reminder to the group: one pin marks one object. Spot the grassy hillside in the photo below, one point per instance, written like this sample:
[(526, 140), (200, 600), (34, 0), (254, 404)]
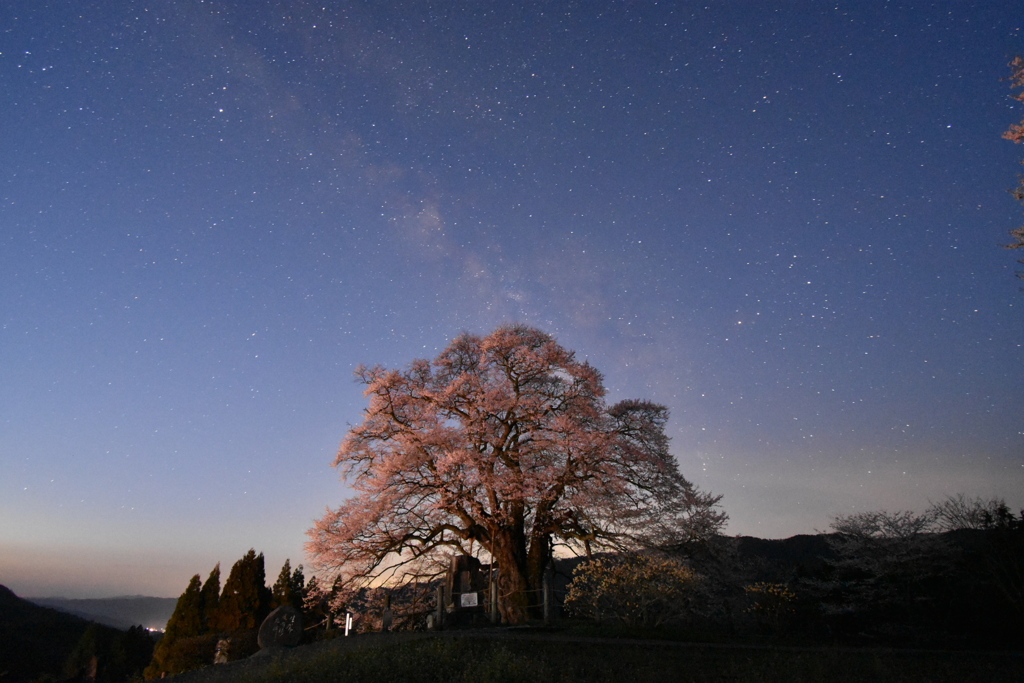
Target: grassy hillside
[(498, 657)]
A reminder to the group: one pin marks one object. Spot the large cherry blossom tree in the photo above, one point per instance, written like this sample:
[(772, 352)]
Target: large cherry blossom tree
[(503, 444)]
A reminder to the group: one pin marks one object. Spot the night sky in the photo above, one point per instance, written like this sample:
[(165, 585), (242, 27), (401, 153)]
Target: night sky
[(784, 224)]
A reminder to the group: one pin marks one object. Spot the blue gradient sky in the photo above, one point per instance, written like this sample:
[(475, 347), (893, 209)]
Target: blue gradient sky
[(783, 223)]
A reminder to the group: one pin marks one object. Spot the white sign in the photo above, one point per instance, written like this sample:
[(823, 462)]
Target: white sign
[(469, 599)]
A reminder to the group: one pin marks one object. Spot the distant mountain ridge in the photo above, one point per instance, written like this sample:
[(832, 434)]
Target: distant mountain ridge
[(120, 612)]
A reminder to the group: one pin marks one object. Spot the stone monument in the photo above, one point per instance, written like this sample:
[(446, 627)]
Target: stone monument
[(281, 628)]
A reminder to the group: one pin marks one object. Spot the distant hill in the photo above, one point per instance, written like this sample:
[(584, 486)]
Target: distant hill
[(121, 612), (34, 640), (803, 554)]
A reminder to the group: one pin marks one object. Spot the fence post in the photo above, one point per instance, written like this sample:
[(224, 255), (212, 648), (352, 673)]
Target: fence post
[(492, 602), (546, 588), (439, 612), (387, 616)]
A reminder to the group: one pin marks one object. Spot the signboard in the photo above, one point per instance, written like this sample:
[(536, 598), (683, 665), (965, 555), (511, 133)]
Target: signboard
[(469, 600)]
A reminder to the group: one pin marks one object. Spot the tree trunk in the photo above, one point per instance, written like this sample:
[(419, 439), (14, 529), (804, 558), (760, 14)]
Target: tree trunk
[(520, 575), (513, 586)]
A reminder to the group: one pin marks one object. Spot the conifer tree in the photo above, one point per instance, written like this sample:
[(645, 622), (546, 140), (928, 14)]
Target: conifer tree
[(93, 642), (289, 589), (314, 602), (186, 621), (245, 601), (337, 597), (210, 600), (298, 588), (106, 654), (282, 590)]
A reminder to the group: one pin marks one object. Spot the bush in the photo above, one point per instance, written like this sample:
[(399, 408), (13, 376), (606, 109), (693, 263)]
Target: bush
[(637, 590), (770, 603)]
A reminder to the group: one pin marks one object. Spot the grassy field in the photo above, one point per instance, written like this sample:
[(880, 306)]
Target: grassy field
[(478, 658)]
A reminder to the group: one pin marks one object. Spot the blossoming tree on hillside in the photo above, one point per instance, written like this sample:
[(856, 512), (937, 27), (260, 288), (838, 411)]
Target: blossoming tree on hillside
[(503, 443)]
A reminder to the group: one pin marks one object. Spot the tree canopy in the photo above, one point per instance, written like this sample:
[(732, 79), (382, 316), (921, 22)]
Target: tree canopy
[(245, 600), (504, 444), (209, 598), (1015, 134), (186, 622), (289, 589)]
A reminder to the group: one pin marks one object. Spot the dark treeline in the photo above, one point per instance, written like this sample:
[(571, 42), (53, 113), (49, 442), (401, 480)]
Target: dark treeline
[(951, 577)]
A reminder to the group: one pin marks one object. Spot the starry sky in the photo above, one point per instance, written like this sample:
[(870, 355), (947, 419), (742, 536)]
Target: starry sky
[(781, 220)]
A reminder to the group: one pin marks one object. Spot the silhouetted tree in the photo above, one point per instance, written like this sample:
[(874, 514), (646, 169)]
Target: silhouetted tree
[(960, 512), (886, 562), (130, 652), (1003, 561), (996, 554), (315, 603), (186, 622), (956, 571), (90, 647), (108, 655), (289, 589), (281, 591)]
